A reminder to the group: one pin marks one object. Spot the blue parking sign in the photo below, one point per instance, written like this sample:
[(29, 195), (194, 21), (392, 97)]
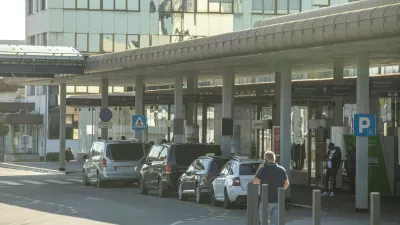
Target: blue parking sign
[(364, 125)]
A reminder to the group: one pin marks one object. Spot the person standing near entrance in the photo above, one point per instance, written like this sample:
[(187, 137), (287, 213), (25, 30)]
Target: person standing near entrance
[(350, 167), (333, 158), (275, 176)]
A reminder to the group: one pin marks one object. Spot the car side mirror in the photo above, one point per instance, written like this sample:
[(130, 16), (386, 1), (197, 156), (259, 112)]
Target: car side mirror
[(143, 160), (85, 157)]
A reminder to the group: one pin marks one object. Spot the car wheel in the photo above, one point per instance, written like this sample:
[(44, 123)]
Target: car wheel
[(214, 201), (180, 193), (199, 196), (85, 179), (100, 183), (227, 202), (162, 192), (142, 187)]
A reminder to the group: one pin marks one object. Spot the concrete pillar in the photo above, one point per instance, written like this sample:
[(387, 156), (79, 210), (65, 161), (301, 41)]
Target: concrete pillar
[(63, 118), (362, 142), (338, 110), (139, 106), (104, 104), (178, 114), (191, 113), (285, 113), (228, 84)]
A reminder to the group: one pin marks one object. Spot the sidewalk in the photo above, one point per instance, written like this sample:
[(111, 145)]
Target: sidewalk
[(45, 167), (343, 202), (333, 218)]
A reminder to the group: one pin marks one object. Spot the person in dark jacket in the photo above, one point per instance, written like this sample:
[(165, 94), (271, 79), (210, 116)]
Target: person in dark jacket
[(350, 167), (333, 159)]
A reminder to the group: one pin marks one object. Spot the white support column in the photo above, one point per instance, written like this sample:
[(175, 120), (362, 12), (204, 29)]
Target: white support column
[(362, 142), (228, 84), (139, 106), (285, 124), (104, 104), (178, 114), (63, 118)]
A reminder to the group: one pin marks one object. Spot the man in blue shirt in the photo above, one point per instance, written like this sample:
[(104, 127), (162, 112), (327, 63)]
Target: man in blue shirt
[(275, 176)]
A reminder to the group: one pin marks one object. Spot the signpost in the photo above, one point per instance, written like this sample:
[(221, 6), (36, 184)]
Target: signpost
[(105, 117), (139, 122), (364, 125)]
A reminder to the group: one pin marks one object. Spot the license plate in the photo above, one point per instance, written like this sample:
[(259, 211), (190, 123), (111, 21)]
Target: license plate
[(126, 168)]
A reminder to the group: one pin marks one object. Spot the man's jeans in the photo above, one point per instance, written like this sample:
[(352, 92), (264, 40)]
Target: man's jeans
[(272, 212)]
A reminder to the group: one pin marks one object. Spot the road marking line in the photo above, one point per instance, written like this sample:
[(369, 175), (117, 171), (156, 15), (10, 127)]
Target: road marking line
[(10, 183), (191, 219), (58, 182), (178, 222), (75, 180), (31, 182)]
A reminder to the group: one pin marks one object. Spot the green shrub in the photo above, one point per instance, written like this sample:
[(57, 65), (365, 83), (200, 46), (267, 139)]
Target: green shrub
[(52, 157)]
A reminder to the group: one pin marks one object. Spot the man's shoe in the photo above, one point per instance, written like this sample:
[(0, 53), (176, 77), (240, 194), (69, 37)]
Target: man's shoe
[(325, 194), (332, 194)]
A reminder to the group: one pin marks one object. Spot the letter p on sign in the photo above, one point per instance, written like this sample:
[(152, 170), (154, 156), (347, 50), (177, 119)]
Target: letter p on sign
[(364, 125)]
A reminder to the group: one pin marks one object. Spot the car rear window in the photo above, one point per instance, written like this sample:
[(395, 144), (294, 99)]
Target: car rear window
[(216, 166), (183, 155), (125, 151), (248, 168)]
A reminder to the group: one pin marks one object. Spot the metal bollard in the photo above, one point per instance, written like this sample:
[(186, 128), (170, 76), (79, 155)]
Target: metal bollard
[(265, 212), (281, 206), (252, 204), (316, 207), (375, 213)]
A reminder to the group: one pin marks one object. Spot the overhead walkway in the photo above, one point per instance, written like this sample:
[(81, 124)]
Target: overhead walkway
[(32, 62)]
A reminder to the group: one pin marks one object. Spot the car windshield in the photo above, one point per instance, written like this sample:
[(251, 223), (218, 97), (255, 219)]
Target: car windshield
[(248, 168), (185, 154), (125, 151)]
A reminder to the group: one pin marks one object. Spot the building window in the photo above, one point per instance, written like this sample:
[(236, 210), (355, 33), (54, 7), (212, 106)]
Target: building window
[(44, 39), (133, 5), (107, 43), (94, 4), (70, 89), (81, 41), (43, 5), (81, 89), (119, 42), (120, 4), (32, 40), (132, 41), (37, 6), (82, 4), (108, 4), (94, 89), (30, 7), (273, 7)]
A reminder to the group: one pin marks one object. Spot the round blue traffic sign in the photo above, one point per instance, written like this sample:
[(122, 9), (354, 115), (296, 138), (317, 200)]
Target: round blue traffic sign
[(105, 115)]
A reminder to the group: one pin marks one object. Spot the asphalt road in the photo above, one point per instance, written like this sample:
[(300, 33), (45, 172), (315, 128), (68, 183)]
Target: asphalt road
[(31, 198)]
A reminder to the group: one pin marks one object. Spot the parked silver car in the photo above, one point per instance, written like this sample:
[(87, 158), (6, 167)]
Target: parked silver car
[(113, 161)]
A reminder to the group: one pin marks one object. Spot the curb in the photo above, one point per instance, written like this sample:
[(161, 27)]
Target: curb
[(33, 169), (309, 207)]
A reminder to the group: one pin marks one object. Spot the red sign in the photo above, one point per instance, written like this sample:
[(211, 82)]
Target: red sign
[(276, 141)]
